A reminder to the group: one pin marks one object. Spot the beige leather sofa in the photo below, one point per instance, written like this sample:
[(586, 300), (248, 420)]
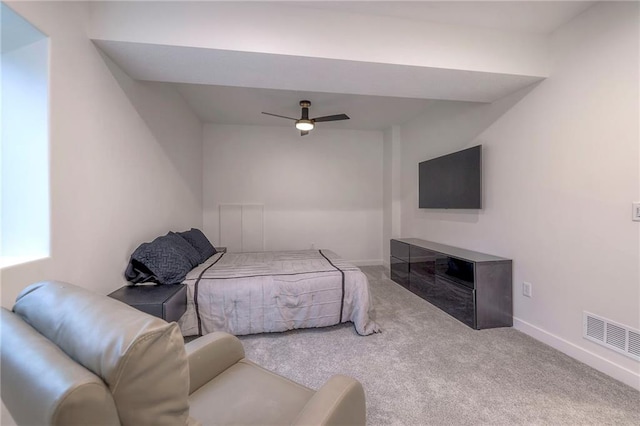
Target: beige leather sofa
[(73, 357)]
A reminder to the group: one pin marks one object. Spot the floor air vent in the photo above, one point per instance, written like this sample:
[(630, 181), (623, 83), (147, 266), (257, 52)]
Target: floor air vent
[(612, 335), (634, 344)]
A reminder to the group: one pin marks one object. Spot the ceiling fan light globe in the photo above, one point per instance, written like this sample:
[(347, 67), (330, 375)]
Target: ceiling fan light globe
[(304, 125)]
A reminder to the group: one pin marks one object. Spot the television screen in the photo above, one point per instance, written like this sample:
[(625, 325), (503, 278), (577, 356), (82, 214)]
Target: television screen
[(453, 181)]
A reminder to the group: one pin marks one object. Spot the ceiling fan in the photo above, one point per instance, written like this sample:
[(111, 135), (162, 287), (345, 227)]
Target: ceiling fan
[(304, 123)]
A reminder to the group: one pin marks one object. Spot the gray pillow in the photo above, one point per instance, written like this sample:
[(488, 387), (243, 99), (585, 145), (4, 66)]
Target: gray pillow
[(199, 241), (185, 248)]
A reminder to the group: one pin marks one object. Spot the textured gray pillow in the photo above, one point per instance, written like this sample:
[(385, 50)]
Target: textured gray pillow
[(199, 241)]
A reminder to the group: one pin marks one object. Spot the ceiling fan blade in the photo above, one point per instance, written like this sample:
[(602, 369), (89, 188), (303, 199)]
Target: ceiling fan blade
[(281, 116), (331, 118), (304, 132)]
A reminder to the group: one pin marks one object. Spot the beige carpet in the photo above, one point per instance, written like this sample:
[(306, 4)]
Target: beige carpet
[(427, 368)]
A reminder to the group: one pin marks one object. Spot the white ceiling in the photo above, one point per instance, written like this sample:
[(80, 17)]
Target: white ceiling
[(235, 87), (213, 85), (241, 105)]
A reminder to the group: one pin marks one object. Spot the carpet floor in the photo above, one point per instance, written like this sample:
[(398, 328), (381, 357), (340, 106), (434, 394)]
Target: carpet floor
[(428, 368)]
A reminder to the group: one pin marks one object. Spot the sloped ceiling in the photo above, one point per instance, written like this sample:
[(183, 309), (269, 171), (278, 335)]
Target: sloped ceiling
[(233, 61)]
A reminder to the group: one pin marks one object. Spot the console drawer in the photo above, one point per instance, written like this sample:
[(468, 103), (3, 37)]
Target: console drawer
[(400, 250), (454, 299), (423, 264), (456, 270), (399, 271)]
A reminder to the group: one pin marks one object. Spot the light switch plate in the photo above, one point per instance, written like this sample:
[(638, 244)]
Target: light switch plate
[(636, 212)]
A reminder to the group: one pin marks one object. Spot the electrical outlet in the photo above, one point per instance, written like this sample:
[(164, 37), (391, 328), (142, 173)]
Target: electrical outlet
[(526, 289), (636, 212)]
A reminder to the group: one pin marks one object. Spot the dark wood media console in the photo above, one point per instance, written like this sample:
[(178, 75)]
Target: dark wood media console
[(475, 288)]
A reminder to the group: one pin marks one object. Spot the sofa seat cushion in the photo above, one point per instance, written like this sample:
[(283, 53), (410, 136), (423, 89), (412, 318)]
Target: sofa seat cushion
[(246, 393)]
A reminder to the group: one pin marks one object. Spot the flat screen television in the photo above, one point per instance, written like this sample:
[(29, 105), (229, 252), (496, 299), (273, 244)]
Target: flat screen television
[(453, 181)]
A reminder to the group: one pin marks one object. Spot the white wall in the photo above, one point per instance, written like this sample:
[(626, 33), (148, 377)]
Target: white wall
[(323, 189), (125, 160), (561, 169), (391, 188)]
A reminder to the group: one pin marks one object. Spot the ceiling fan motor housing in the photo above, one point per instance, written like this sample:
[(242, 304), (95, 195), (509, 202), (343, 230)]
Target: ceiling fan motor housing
[(305, 109)]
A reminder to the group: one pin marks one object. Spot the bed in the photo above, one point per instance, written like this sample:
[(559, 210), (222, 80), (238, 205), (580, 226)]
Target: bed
[(260, 292)]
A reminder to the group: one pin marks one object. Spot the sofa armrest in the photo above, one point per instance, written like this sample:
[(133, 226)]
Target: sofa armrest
[(339, 402), (210, 355)]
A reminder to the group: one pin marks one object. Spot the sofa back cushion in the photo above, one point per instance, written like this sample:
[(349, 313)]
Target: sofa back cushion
[(141, 358), (42, 385)]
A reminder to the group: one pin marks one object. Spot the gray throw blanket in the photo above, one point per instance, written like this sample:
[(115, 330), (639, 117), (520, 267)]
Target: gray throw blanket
[(165, 260)]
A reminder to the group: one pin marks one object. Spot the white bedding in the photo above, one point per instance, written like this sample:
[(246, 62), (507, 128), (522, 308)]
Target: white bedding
[(247, 293)]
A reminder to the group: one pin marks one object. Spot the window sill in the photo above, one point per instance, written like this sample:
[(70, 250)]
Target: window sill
[(8, 261)]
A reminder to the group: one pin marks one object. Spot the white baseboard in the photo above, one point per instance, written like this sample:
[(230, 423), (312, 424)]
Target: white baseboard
[(609, 368), (370, 262)]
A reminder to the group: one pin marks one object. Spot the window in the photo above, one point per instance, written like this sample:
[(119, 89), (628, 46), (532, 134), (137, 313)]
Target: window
[(24, 140)]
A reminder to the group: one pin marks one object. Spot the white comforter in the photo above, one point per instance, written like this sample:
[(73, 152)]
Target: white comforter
[(246, 293)]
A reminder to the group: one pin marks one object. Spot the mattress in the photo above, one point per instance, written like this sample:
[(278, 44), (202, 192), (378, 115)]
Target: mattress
[(261, 292)]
